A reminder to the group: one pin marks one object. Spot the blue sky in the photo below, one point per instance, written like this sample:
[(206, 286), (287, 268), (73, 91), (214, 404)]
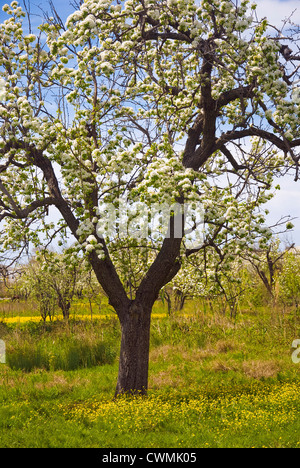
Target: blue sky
[(287, 200)]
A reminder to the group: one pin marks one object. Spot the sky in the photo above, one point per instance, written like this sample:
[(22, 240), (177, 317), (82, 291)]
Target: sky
[(287, 200)]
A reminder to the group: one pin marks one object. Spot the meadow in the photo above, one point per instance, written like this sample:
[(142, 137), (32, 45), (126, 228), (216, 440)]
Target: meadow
[(214, 381)]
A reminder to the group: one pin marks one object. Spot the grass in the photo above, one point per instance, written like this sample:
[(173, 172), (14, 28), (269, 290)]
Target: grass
[(57, 345), (213, 382)]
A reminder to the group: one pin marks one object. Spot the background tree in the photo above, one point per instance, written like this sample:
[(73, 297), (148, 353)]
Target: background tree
[(52, 281), (267, 262), (88, 286), (289, 279), (35, 280), (166, 101)]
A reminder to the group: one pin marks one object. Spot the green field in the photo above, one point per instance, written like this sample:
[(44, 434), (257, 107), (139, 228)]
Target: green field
[(214, 382)]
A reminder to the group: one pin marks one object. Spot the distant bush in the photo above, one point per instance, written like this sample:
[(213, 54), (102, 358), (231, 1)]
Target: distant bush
[(81, 354), (56, 349), (65, 356)]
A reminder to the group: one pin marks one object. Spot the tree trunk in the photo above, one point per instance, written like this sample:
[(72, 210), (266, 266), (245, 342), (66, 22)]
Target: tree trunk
[(135, 315), (134, 353)]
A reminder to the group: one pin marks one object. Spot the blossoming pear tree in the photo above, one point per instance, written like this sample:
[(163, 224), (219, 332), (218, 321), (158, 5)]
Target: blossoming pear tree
[(170, 101)]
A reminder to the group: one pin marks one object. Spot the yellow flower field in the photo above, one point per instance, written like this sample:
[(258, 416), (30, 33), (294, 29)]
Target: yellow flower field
[(268, 408), (36, 318), (213, 383)]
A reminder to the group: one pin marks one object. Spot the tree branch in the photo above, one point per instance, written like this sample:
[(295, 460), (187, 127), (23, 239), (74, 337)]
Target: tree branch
[(235, 165), (24, 212), (253, 131), (229, 96)]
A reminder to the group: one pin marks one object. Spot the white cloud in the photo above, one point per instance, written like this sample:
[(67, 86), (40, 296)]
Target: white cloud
[(287, 200), (276, 11), (286, 203)]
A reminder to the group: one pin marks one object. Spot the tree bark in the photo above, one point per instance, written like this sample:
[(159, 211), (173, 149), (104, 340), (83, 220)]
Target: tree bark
[(134, 353)]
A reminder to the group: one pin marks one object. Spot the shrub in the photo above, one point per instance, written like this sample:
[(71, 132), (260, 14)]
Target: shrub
[(66, 352)]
